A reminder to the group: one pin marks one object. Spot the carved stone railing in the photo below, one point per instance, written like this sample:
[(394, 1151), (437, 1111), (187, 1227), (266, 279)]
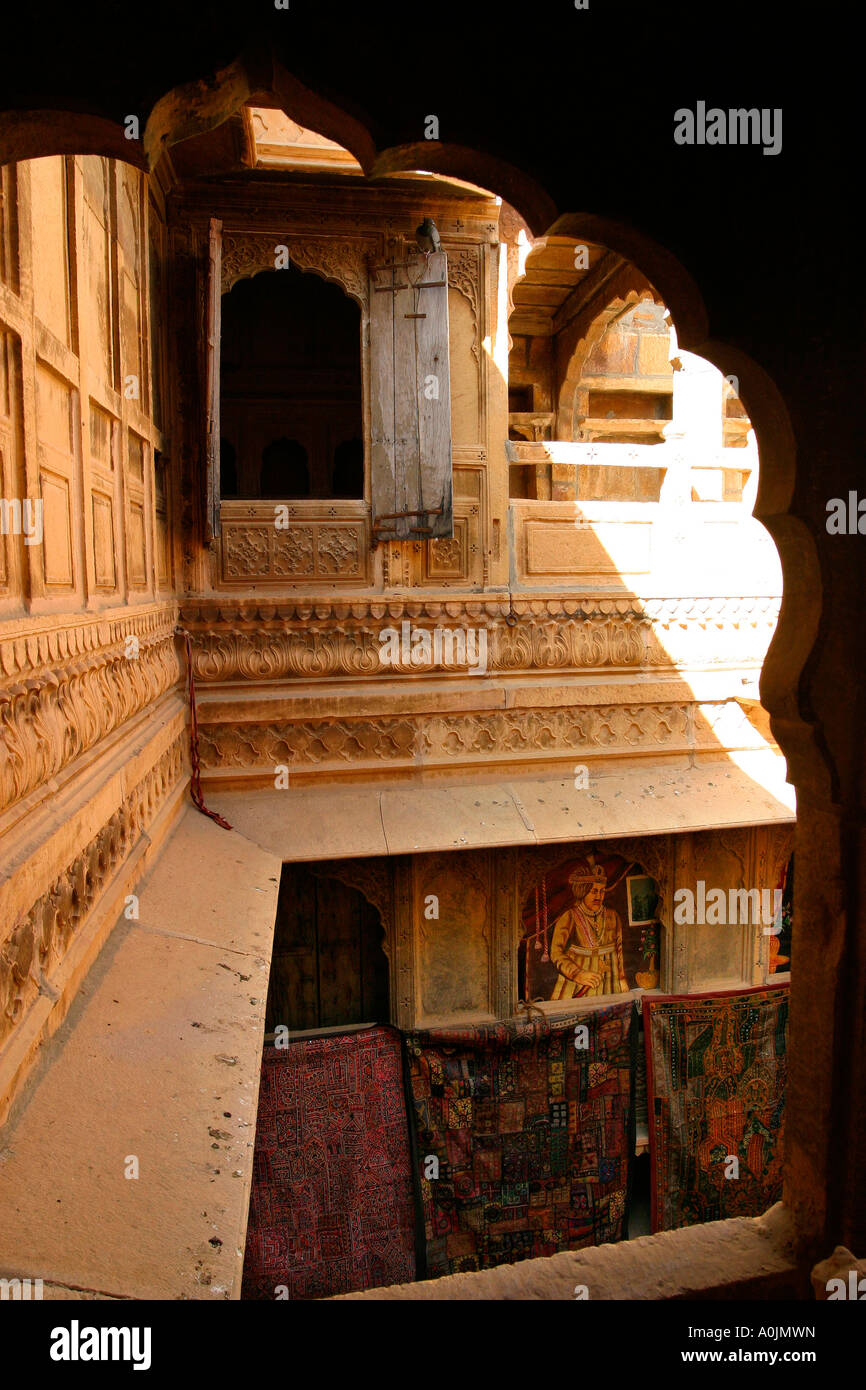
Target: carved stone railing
[(577, 453)]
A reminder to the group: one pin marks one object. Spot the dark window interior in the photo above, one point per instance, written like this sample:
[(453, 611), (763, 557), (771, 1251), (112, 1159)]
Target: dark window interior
[(329, 968), (290, 389)]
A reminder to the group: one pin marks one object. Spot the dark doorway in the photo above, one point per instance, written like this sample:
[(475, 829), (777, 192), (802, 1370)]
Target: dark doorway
[(328, 969)]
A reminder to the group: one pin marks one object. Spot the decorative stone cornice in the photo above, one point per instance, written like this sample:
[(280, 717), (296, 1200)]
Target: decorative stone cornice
[(311, 638)]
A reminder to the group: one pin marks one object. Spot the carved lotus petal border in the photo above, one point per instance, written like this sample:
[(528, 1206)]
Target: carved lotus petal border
[(48, 646), (326, 608)]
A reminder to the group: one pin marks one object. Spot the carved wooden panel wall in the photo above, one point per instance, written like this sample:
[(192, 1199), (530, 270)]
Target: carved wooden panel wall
[(49, 246), (58, 456), (99, 312), (12, 487), (105, 447), (9, 227), (81, 319)]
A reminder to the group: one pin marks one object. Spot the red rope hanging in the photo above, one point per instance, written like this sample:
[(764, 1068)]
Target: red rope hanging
[(195, 762)]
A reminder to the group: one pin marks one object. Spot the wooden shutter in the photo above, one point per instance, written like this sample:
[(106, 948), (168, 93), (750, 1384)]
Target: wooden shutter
[(212, 381), (410, 399)]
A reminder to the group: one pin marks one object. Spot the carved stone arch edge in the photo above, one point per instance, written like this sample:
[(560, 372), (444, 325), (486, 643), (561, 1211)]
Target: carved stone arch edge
[(786, 665), (340, 260), (370, 877), (614, 307)]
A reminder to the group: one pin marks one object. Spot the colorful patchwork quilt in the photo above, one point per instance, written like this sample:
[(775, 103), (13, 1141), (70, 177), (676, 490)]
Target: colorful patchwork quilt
[(716, 1070), (523, 1138)]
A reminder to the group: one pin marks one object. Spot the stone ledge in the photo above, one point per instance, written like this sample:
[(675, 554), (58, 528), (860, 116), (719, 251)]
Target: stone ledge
[(309, 822), (747, 1257), (159, 1057)]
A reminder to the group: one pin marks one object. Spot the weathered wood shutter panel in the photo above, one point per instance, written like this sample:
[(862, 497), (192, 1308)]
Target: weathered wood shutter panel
[(212, 380), (410, 399)]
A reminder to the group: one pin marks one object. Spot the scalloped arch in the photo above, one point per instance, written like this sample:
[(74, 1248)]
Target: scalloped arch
[(341, 262), (596, 331), (192, 108)]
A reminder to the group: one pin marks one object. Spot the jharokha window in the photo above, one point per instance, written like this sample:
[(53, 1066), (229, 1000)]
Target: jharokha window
[(286, 376)]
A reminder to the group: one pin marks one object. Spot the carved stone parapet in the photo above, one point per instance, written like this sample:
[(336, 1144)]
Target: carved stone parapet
[(38, 940), (48, 717)]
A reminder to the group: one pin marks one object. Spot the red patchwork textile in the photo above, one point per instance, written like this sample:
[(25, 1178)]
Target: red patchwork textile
[(332, 1205)]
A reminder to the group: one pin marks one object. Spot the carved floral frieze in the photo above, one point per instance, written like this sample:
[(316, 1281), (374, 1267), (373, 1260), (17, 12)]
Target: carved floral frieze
[(411, 740), (336, 639)]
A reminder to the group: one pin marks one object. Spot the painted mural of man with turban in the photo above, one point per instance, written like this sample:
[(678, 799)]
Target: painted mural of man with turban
[(586, 947)]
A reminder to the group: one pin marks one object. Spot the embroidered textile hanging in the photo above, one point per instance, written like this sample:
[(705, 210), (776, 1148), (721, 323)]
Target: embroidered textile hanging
[(716, 1071), (532, 1136), (332, 1206)]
